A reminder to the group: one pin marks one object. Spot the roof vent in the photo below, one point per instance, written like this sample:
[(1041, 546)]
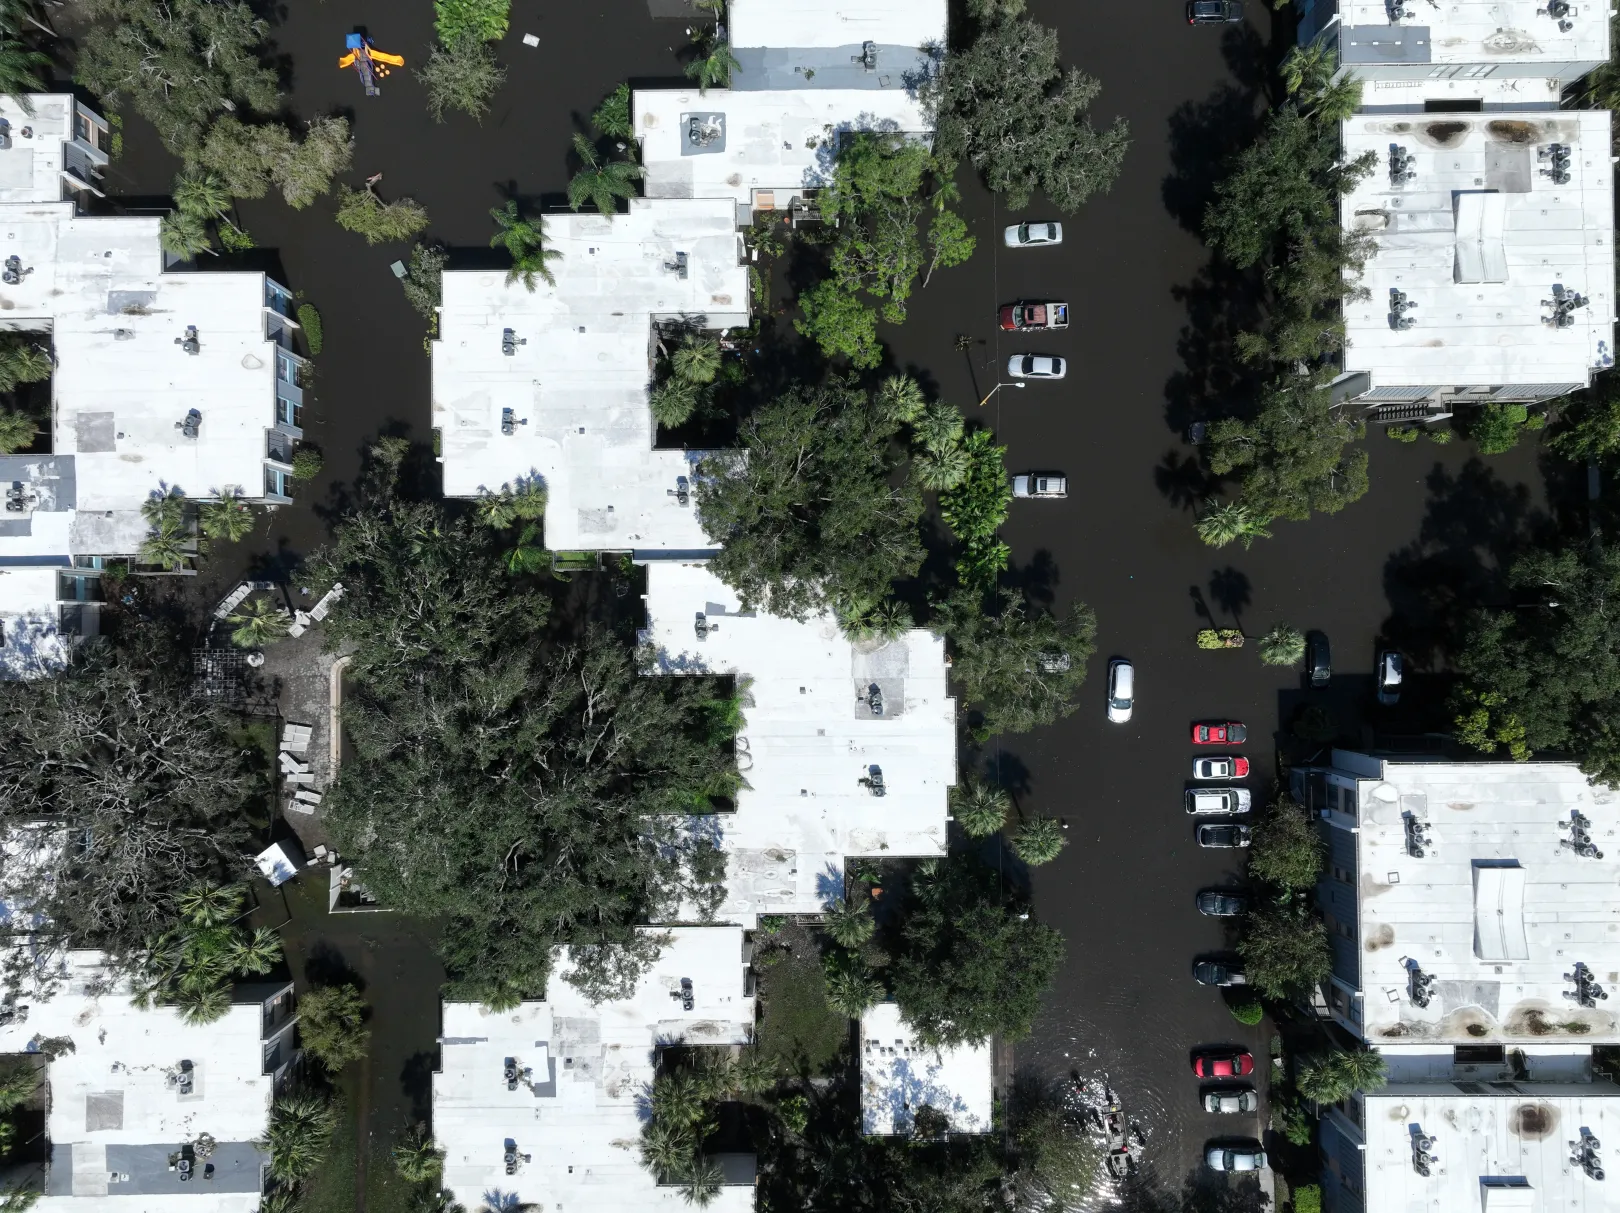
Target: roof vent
[(1399, 305), (1580, 835), (14, 272), (1423, 1157), (1587, 992), (189, 342), (510, 342), (1400, 165), (510, 421), (1564, 304), (867, 58), (1584, 1154), (1554, 159), (873, 781), (190, 424)]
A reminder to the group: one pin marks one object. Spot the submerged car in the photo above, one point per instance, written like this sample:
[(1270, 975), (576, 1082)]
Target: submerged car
[(1222, 903), (1037, 366), (1223, 1063), (1219, 732), (1228, 1100), (1221, 837), (1390, 671), (1218, 973), (1223, 767), (1032, 235), (1214, 12), (1201, 802), (1121, 690), (1040, 484), (1318, 659), (1235, 1158)]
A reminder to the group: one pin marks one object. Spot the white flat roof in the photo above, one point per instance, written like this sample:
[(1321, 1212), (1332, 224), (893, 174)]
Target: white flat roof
[(899, 1074), (1480, 294), (809, 738), (835, 23), (1496, 1147), (577, 382), (579, 1108), (115, 1105), (1483, 32), (31, 167), (33, 645), (1497, 910), (776, 140)]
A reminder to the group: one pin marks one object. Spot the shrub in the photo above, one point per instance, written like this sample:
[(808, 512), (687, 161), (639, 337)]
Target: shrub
[(1403, 433), (461, 75), (307, 463), (478, 20), (310, 321), (1496, 428), (1308, 1199), (424, 281), (1439, 436), (1247, 1011)]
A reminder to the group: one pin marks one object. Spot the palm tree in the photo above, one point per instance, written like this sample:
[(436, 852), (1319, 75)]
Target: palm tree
[(1338, 101), (1307, 68), (529, 499), (883, 621), (19, 72), (165, 549), (714, 68), (18, 1082), (1038, 841), (1219, 525), (601, 182), (300, 1131), (526, 556), (852, 990), (901, 399), (676, 1099), (525, 240), (716, 1076), (258, 621), (210, 905), (696, 359), (1282, 645), (849, 923), (203, 1004), (22, 361), (754, 1072), (257, 953), (17, 430), (1320, 1082), (229, 519), (1361, 1069), (673, 402), (979, 808), (497, 510), (612, 118), (939, 426), (943, 469), (201, 193), (417, 1159), (184, 234), (667, 1148), (703, 1180)]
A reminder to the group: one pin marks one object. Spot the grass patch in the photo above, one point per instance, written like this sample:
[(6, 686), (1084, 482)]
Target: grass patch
[(386, 1190), (797, 1027), (332, 1188)]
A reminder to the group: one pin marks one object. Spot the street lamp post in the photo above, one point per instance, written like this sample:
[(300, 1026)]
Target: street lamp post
[(997, 388)]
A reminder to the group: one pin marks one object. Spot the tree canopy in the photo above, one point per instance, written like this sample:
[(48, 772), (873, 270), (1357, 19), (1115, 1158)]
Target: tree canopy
[(816, 510), (970, 964), (1018, 666), (1005, 104), (1291, 455), (530, 795)]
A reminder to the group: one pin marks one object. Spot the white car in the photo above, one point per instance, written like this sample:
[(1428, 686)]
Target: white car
[(1204, 801), (1242, 1158), (1036, 366), (1121, 690), (1223, 767), (1230, 1100), (1031, 235), (1040, 484)]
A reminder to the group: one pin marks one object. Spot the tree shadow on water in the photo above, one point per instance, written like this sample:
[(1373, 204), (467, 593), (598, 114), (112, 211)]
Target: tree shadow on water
[(1232, 592), (1201, 1191)]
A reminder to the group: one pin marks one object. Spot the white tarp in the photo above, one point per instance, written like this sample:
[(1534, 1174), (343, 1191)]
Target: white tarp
[(1499, 913), (1481, 221)]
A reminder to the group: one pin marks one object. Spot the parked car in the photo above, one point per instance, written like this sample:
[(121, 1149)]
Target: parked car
[(1218, 973), (1219, 732), (1390, 671), (1223, 1063), (1040, 484), (1214, 12), (1221, 837), (1036, 366), (1024, 317), (1202, 802), (1228, 1100), (1033, 235), (1318, 659), (1121, 690), (1223, 767), (1235, 1158), (1222, 903)]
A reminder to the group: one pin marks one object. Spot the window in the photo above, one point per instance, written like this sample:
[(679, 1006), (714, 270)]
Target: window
[(1347, 800), (288, 413), (1478, 1055), (275, 483), (286, 369)]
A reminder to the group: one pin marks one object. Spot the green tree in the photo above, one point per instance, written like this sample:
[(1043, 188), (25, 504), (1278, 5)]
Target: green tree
[(525, 240), (192, 965), (1287, 849), (900, 397), (306, 172), (1222, 523), (1331, 1078), (479, 20), (852, 990), (300, 1135), (673, 402), (179, 63), (1039, 840), (201, 193), (1591, 427), (1291, 456), (17, 431), (943, 469), (979, 808), (307, 463), (22, 360), (1495, 428), (612, 118), (1018, 667), (1005, 104), (1285, 950), (543, 783), (332, 1027), (19, 72), (877, 197), (19, 1080), (423, 282), (526, 555), (939, 427), (713, 66), (977, 506), (849, 923), (809, 511), (949, 242), (1282, 645), (242, 155), (417, 1159), (696, 359), (970, 964), (601, 182), (461, 76), (362, 212), (184, 235), (840, 324), (256, 623)]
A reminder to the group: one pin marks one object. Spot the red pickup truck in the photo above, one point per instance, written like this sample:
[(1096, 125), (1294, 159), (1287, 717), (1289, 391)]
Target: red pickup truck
[(1028, 317)]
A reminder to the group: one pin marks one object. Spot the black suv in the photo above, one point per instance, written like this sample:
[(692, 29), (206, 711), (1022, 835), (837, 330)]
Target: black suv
[(1214, 12), (1318, 659)]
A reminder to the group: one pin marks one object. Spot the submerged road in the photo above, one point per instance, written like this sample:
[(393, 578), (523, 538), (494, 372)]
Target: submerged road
[(1125, 1005)]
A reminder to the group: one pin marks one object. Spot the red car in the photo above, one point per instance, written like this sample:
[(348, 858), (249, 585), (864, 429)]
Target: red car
[(1223, 1065), (1219, 732)]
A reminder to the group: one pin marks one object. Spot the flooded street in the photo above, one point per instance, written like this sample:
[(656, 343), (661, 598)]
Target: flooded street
[(1126, 1006)]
